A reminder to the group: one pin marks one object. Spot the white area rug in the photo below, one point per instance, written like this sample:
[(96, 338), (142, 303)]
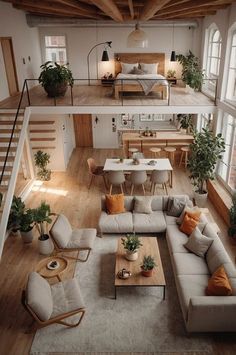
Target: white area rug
[(138, 321)]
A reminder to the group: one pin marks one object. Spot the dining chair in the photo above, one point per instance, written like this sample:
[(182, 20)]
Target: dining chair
[(159, 177), (95, 170), (138, 178), (116, 178)]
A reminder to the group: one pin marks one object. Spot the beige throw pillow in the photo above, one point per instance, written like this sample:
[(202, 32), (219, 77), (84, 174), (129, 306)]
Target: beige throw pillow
[(143, 204), (186, 209), (198, 243)]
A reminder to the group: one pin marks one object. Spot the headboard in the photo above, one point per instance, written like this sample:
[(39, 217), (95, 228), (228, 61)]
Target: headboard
[(140, 58)]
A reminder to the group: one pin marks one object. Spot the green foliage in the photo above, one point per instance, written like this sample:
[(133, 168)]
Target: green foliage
[(232, 217), (41, 161), (206, 149), (171, 73), (27, 220), (131, 243), (41, 216), (192, 73), (16, 212), (186, 121), (148, 263), (54, 74)]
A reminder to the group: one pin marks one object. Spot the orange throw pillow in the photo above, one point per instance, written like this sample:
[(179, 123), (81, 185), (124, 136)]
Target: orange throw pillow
[(189, 223), (115, 204), (218, 284)]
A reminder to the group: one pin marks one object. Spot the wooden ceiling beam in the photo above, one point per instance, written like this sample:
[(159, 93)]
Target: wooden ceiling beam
[(109, 8), (131, 8), (151, 7), (78, 5), (185, 14), (193, 10)]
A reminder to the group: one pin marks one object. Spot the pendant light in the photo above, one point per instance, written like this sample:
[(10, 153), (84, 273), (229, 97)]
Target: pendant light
[(173, 55), (137, 38)]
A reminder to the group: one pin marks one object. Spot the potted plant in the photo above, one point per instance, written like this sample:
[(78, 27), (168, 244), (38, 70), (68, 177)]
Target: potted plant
[(42, 217), (26, 226), (131, 245), (232, 219), (171, 73), (148, 265), (205, 151), (55, 78), (15, 215), (185, 122), (192, 74), (41, 161)]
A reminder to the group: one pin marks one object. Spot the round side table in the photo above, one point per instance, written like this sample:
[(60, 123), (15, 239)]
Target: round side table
[(44, 271)]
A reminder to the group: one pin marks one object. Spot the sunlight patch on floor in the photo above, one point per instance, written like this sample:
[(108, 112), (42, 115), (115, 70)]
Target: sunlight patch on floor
[(38, 187)]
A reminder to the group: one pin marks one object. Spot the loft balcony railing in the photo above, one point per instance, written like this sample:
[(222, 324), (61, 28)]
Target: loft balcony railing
[(95, 94)]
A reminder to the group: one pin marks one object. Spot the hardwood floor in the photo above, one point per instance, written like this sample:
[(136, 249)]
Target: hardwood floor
[(67, 192)]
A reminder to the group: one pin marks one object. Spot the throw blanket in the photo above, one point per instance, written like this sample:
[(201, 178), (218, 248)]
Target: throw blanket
[(148, 85)]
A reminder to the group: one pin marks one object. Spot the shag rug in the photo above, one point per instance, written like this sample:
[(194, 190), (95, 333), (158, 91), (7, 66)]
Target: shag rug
[(137, 321)]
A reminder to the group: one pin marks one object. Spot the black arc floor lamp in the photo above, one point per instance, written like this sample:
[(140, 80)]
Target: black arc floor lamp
[(105, 57)]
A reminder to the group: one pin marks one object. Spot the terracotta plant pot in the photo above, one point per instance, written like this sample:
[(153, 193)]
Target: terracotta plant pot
[(131, 256), (147, 273)]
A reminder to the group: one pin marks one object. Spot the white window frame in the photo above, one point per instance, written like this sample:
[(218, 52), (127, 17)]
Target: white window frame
[(233, 100), (54, 47)]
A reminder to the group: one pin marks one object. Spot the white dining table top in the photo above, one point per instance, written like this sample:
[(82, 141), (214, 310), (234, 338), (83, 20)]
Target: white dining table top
[(127, 165)]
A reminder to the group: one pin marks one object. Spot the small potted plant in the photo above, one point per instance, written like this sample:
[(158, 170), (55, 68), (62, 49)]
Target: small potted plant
[(131, 244), (232, 219), (185, 122), (171, 73), (41, 161), (15, 215), (27, 225), (148, 266), (55, 78), (42, 217)]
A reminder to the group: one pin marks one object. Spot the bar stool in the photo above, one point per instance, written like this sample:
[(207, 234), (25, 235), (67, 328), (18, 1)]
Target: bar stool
[(155, 151), (132, 150), (170, 154), (184, 156)]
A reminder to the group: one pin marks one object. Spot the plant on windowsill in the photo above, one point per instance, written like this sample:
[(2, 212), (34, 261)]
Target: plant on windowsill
[(41, 161), (42, 218), (148, 266), (55, 78), (205, 151), (232, 219), (185, 122), (131, 244), (192, 74)]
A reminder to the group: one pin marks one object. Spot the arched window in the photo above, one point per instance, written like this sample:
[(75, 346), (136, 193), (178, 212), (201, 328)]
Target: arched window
[(231, 82), (213, 57)]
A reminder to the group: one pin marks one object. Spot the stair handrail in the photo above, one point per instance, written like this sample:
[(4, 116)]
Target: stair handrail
[(13, 129)]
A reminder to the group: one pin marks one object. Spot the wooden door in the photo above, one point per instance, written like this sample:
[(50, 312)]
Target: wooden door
[(83, 130), (9, 61)]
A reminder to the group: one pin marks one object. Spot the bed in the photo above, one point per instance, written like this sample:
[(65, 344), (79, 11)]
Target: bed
[(133, 81)]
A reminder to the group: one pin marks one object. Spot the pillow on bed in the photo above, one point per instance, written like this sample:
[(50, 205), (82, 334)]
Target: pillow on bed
[(127, 67), (149, 68), (137, 71)]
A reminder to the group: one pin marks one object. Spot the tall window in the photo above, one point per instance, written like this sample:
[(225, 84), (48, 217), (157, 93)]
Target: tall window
[(55, 49), (227, 166), (231, 84), (205, 121), (213, 58)]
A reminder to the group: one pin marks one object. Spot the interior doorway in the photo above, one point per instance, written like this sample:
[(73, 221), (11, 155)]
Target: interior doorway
[(83, 130), (10, 67)]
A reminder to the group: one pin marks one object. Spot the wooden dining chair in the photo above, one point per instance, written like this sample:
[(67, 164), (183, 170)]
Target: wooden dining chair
[(95, 170)]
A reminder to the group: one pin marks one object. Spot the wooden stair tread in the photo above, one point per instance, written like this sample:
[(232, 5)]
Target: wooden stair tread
[(8, 131), (9, 158), (42, 139), (42, 130), (6, 139), (7, 122), (4, 149), (8, 168), (40, 122)]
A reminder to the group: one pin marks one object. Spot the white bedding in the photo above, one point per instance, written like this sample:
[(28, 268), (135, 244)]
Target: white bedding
[(141, 76)]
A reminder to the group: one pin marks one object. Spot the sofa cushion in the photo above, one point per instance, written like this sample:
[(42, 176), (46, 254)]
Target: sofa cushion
[(219, 284), (129, 203), (176, 206), (170, 220), (220, 258), (143, 204), (149, 223), (115, 203), (190, 286), (189, 223), (176, 239), (197, 243), (157, 203), (189, 264), (66, 297), (117, 223), (82, 238), (39, 297), (61, 231), (191, 210)]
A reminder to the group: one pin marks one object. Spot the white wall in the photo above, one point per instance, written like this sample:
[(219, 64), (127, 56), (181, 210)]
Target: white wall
[(80, 40), (25, 44)]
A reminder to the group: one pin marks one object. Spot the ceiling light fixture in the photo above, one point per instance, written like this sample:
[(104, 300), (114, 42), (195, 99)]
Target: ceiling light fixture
[(137, 38), (173, 55)]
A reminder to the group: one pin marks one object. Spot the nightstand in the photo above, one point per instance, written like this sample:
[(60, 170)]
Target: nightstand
[(172, 81), (107, 82)]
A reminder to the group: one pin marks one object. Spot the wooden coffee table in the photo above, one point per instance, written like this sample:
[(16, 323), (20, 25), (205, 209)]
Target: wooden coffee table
[(149, 247), (43, 270)]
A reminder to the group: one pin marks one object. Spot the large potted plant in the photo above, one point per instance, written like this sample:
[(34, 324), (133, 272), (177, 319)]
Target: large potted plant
[(192, 74), (131, 245), (205, 151), (15, 215), (41, 160), (148, 265), (232, 219), (42, 218), (55, 78), (26, 226)]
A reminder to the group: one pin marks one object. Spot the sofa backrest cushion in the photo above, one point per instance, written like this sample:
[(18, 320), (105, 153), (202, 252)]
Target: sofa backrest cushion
[(39, 297), (143, 204), (157, 203), (129, 203), (61, 231)]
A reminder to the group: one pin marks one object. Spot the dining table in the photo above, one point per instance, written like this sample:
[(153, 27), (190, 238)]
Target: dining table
[(126, 165)]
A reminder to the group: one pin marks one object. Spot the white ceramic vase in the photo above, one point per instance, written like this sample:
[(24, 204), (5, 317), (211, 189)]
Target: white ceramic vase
[(27, 237), (46, 246), (200, 199), (131, 256)]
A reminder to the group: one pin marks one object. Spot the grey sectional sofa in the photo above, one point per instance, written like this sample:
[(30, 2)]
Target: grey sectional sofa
[(201, 313)]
